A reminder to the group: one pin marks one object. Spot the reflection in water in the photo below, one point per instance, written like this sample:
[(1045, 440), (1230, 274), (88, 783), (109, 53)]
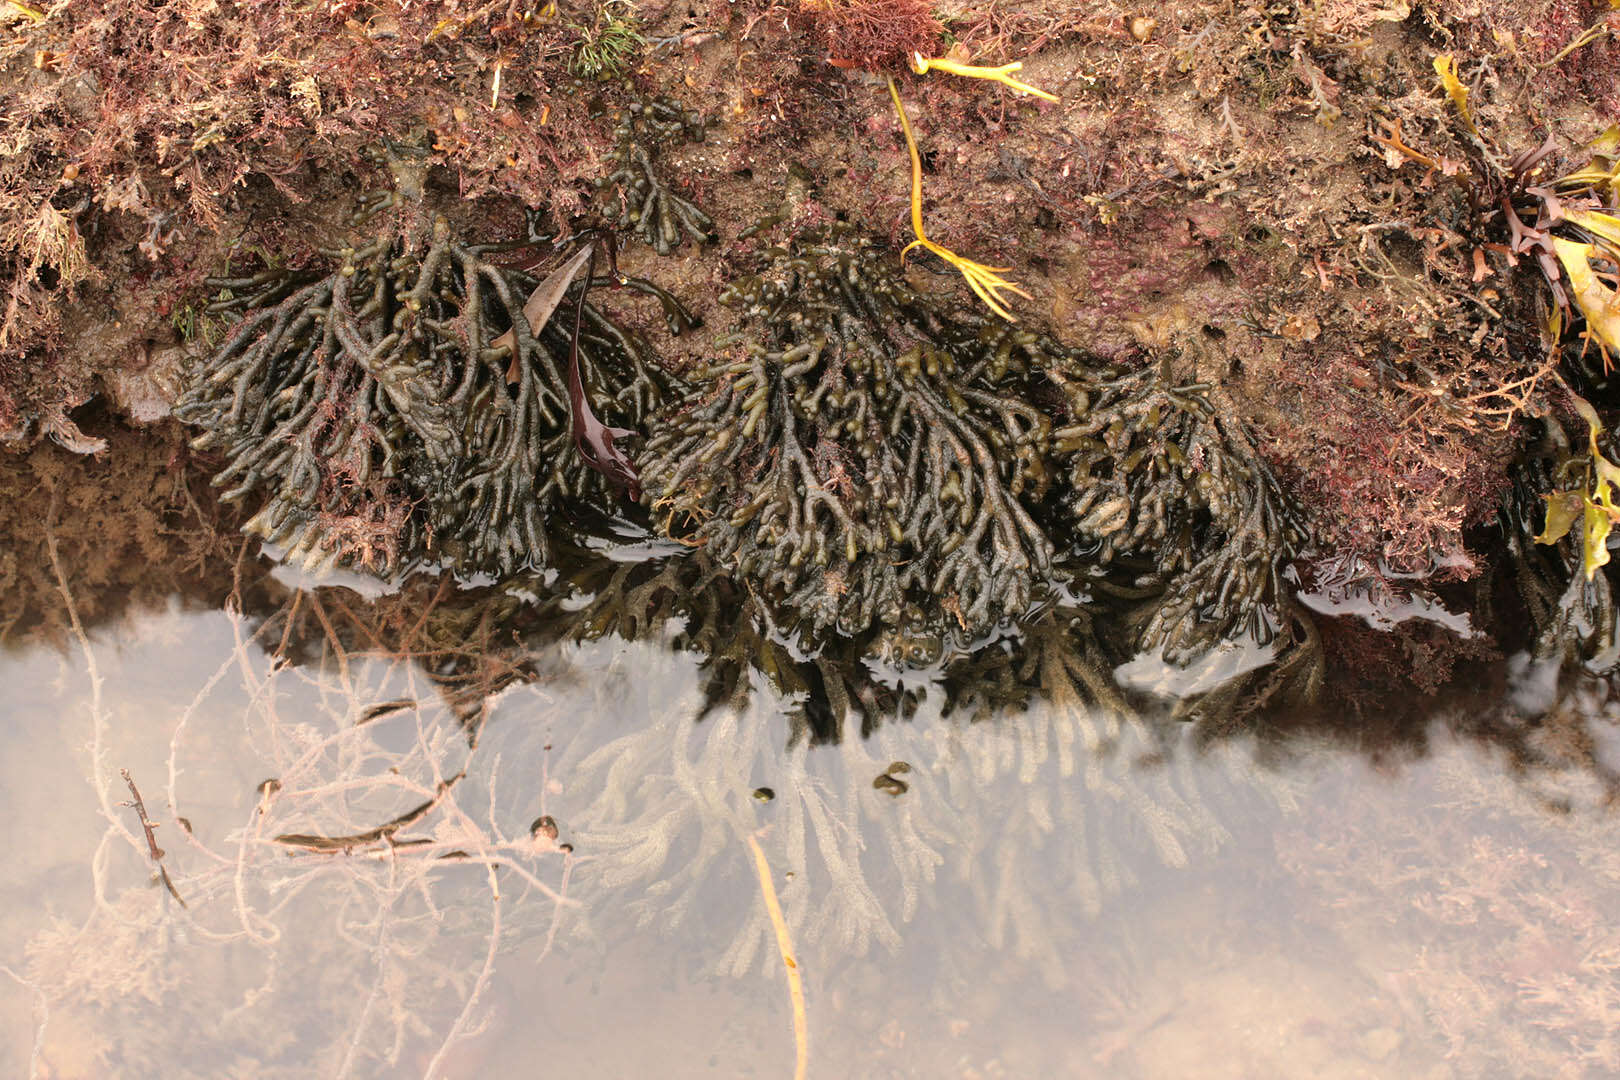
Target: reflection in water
[(1063, 890), (357, 864), (342, 913), (458, 830), (1033, 821)]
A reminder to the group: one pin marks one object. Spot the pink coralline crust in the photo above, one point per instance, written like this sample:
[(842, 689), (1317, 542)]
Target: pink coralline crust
[(1385, 488), (1593, 71), (1169, 259)]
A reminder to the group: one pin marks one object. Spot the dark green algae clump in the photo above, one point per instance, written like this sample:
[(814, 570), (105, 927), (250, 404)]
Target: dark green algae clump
[(648, 206), (859, 451), (402, 408), (862, 455), (1167, 500), (859, 462)]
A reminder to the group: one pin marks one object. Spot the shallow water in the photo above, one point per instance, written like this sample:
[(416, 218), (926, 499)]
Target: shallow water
[(1053, 894)]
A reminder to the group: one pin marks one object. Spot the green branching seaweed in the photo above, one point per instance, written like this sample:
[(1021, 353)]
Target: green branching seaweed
[(649, 206), (403, 407), (607, 47), (864, 452), (1164, 488)]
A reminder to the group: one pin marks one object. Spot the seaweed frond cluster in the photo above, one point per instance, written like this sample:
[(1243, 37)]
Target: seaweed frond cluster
[(865, 475), (860, 450), (136, 135), (650, 208), (402, 407), (1163, 488)]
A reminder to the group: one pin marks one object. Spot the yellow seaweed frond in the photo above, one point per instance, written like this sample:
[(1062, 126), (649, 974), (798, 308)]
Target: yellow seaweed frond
[(1603, 171), (1599, 304), (1592, 176), (31, 14), (1598, 522), (985, 281), (1594, 508), (1445, 66), (922, 65), (1596, 31), (1563, 510), (1605, 226), (1601, 174)]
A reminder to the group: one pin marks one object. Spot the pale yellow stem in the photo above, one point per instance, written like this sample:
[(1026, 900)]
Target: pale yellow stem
[(801, 1026), (985, 281)]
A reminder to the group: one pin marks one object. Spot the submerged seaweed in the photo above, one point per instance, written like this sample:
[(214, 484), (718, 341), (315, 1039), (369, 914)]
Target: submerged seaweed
[(402, 407), (1067, 657), (864, 452), (731, 630)]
